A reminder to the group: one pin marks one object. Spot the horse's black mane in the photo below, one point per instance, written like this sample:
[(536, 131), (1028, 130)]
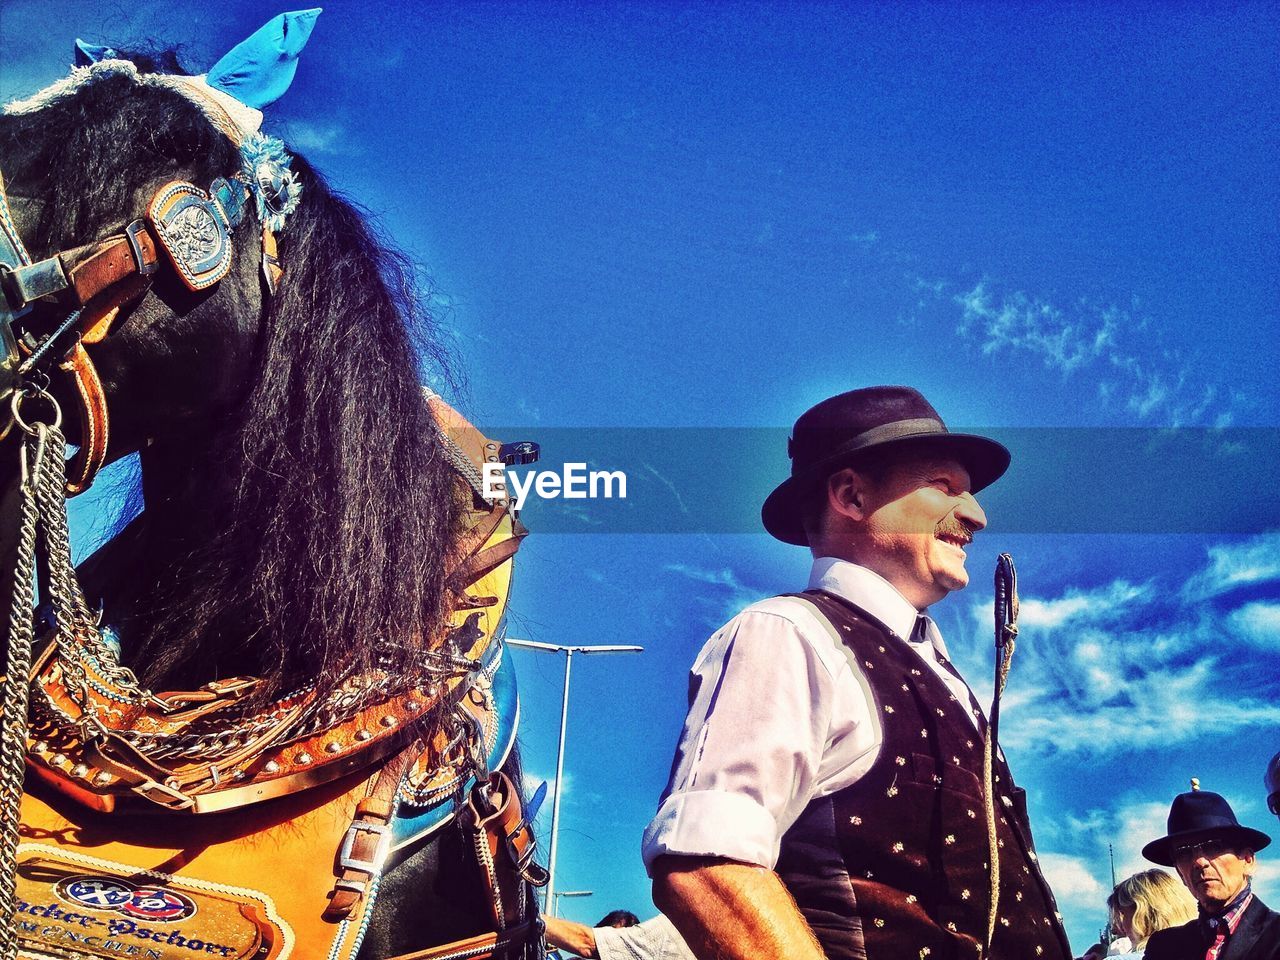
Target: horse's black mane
[(340, 505)]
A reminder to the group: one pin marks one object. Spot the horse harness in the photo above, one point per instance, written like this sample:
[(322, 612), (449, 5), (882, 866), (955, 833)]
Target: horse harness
[(347, 771), (184, 227)]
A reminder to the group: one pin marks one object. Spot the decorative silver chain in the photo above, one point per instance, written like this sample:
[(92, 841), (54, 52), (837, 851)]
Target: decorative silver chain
[(13, 738)]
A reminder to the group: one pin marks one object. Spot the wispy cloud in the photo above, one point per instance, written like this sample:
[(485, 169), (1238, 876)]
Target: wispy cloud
[(1077, 606), (532, 780), (1236, 565), (727, 594), (319, 138), (1072, 880), (1139, 665), (1258, 623), (1150, 384), (1019, 323)]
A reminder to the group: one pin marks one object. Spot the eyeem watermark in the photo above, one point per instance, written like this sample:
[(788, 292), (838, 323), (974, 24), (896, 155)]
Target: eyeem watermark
[(573, 482)]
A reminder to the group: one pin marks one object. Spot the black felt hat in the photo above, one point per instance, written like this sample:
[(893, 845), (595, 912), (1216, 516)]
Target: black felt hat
[(840, 431), (1199, 816)]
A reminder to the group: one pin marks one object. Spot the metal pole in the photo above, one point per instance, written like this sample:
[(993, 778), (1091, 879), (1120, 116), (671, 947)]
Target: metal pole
[(551, 901)]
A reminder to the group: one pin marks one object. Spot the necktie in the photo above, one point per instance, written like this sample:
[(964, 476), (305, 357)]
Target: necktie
[(920, 634)]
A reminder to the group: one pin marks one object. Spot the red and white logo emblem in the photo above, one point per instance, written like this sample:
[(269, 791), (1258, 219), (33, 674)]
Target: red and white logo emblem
[(153, 903)]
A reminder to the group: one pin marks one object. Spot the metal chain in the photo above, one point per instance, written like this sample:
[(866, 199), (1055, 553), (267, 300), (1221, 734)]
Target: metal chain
[(34, 456)]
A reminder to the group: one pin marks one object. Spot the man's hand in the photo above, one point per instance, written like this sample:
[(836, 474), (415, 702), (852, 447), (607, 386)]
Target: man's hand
[(727, 910), (575, 937)]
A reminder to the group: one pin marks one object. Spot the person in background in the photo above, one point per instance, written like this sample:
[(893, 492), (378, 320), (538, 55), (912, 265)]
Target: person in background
[(1216, 858), (619, 919), (1141, 905), (619, 936)]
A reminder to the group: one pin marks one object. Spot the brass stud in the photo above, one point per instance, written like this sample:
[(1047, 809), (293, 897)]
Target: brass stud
[(388, 720), (80, 770), (302, 759), (413, 706), (40, 746), (58, 759), (363, 735), (271, 767), (332, 746), (102, 778)]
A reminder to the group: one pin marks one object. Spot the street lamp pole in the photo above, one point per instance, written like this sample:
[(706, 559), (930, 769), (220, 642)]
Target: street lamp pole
[(569, 893), (568, 650)]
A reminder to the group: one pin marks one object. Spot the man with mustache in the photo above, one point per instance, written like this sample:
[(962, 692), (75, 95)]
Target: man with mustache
[(826, 797), (1216, 858)]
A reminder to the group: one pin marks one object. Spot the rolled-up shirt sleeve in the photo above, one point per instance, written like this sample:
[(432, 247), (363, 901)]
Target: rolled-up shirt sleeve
[(760, 703)]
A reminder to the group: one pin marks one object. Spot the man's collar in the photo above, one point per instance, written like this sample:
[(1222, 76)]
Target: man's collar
[(873, 593), (1230, 913)]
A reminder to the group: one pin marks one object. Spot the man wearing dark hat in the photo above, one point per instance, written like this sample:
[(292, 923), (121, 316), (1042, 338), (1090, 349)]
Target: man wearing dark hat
[(1215, 857), (826, 797)]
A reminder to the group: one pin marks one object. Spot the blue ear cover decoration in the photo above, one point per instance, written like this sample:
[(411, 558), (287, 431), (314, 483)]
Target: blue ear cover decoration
[(258, 71), (88, 53), (265, 168)]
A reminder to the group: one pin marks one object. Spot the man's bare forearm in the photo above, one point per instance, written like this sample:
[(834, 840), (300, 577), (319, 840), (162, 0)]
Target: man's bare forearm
[(731, 911), (574, 937)]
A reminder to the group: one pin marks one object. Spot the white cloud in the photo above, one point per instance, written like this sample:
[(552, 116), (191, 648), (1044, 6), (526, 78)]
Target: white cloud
[(1016, 322), (1259, 623), (1125, 828), (1133, 666), (1230, 566), (531, 781), (325, 138), (1079, 606), (1071, 880)]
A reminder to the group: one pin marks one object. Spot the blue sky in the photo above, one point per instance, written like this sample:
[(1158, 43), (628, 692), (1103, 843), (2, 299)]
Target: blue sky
[(667, 215)]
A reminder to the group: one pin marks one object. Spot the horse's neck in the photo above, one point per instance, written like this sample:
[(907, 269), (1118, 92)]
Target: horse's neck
[(186, 499)]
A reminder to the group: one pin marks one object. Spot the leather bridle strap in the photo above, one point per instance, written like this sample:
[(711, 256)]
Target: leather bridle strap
[(82, 278), (82, 273), (94, 423)]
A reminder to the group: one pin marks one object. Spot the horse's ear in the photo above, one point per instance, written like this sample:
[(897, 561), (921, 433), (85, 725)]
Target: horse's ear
[(258, 71), (88, 53)]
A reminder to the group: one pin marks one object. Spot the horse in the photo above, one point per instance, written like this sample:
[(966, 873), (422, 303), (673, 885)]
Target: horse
[(305, 519)]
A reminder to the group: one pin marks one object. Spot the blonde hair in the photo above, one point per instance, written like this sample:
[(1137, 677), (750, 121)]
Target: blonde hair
[(1159, 900)]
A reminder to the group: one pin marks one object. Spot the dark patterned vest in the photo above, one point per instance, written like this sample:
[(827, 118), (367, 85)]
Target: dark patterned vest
[(894, 867)]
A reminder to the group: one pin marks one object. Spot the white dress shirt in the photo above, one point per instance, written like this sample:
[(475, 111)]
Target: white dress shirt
[(781, 715), (655, 939)]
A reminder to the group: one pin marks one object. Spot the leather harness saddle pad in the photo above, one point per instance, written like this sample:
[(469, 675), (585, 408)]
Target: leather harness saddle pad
[(266, 856)]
